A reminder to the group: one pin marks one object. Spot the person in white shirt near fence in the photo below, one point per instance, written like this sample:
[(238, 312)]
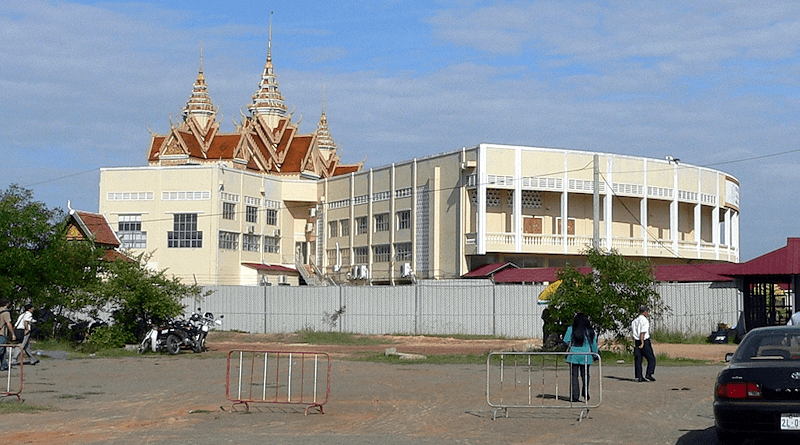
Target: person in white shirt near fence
[(23, 328), (642, 347)]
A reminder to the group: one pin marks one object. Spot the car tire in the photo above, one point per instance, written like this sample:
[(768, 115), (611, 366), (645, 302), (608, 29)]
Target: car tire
[(173, 344), (725, 438)]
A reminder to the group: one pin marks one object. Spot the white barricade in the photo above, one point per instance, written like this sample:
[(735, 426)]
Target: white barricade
[(281, 377), (12, 377), (540, 380)]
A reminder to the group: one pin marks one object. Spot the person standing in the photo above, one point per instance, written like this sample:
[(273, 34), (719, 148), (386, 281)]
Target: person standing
[(581, 338), (24, 324), (6, 332), (795, 320), (642, 347)]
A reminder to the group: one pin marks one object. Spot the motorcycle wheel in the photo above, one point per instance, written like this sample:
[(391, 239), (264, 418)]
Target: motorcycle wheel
[(144, 346), (173, 344)]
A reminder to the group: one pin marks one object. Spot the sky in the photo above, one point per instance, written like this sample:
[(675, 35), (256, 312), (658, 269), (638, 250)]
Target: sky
[(713, 83)]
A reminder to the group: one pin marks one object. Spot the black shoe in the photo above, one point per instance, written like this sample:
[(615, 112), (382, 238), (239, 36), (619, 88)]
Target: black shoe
[(574, 399), (639, 379), (651, 378)]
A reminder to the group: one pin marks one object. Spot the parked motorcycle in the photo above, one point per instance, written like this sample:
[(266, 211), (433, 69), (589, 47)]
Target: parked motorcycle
[(179, 334)]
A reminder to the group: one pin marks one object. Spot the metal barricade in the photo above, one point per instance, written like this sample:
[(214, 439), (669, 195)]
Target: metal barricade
[(13, 387), (278, 377), (535, 380)]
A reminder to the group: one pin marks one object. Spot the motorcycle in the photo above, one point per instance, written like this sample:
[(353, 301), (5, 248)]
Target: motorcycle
[(178, 334)]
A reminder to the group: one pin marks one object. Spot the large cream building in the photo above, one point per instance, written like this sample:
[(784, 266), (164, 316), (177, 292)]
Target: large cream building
[(441, 216), (267, 204)]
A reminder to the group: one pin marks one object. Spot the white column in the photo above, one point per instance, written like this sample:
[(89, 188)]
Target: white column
[(673, 210), (643, 215), (608, 204), (480, 236), (565, 205), (518, 199)]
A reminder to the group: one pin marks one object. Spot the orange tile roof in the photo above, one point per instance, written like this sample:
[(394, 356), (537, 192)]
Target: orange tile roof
[(98, 228), (296, 154)]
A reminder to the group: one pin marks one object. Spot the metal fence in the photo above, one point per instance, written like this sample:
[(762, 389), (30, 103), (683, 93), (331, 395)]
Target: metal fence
[(447, 307), (541, 380)]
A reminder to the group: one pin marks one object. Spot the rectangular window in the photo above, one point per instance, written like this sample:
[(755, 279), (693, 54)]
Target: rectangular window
[(361, 225), (402, 251), (184, 231), (271, 216), (345, 226), (250, 243), (331, 257), (381, 253), (344, 254), (333, 229), (404, 219), (228, 240), (228, 210), (382, 222), (272, 244), (130, 232), (251, 214), (361, 254)]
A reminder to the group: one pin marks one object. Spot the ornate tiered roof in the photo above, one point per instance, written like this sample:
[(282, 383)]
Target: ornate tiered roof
[(267, 141)]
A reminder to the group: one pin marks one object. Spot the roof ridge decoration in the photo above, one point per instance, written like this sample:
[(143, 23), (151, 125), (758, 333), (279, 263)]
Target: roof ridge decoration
[(268, 99)]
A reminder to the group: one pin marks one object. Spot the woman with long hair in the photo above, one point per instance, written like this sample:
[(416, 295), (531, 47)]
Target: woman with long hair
[(581, 338)]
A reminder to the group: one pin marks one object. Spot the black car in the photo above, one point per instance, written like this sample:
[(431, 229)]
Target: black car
[(758, 392)]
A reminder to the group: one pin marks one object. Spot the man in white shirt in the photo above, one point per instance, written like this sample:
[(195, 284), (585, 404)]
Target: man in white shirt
[(642, 347), (795, 320)]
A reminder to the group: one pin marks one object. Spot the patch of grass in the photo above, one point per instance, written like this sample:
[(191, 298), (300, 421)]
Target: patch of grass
[(679, 337), (13, 406), (337, 338), (438, 359)]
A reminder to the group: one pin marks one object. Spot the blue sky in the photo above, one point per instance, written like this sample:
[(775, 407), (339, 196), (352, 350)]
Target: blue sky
[(712, 83)]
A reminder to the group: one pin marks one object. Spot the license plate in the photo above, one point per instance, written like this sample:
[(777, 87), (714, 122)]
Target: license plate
[(790, 422)]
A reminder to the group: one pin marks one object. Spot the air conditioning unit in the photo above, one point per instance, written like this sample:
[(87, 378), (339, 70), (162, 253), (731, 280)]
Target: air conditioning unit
[(282, 279), (277, 232), (363, 273), (405, 270), (354, 273), (310, 227), (312, 212), (251, 229)]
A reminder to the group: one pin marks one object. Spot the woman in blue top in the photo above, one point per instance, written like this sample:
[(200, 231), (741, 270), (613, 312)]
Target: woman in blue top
[(581, 338)]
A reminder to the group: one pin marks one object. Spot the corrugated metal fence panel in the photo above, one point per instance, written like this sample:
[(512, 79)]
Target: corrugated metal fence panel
[(697, 308), (378, 309), (449, 308), (518, 313), (439, 308), (242, 306), (294, 308)]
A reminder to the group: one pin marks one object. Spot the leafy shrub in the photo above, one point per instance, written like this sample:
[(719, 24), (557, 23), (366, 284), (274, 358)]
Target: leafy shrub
[(107, 337)]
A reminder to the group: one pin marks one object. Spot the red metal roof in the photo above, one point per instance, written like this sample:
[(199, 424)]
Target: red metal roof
[(270, 267), (488, 269), (783, 261)]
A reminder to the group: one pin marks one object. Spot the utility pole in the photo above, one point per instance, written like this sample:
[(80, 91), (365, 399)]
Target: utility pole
[(596, 205)]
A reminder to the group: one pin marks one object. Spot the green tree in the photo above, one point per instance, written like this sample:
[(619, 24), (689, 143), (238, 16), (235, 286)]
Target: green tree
[(137, 296), (37, 263), (611, 295)]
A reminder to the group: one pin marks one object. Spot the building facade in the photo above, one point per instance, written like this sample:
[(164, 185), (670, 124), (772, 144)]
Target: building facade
[(268, 205), (444, 215)]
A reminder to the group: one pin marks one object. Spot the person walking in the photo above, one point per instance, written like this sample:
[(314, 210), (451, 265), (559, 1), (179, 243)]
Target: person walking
[(24, 325), (6, 332), (642, 347), (580, 337)]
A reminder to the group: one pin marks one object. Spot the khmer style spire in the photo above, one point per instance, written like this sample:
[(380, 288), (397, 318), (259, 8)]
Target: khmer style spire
[(325, 141), (199, 104), (268, 99)]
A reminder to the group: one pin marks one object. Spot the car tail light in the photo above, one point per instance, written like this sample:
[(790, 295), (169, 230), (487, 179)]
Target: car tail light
[(739, 390)]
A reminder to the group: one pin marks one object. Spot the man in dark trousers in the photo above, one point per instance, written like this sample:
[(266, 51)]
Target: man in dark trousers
[(642, 347)]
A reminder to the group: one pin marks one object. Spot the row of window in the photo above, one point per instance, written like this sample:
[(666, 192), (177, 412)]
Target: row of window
[(250, 214), (381, 223), (381, 253), (250, 243), (184, 233)]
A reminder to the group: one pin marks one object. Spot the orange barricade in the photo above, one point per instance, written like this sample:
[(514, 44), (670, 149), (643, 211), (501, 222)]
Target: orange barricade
[(297, 378), (12, 386)]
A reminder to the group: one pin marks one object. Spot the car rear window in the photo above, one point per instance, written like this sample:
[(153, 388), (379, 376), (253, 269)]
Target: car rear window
[(769, 346)]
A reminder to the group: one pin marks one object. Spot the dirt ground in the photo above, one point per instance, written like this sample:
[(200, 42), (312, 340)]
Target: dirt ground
[(160, 399)]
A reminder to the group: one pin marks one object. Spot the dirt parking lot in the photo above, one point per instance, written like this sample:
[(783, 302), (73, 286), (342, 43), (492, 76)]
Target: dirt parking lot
[(163, 399)]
